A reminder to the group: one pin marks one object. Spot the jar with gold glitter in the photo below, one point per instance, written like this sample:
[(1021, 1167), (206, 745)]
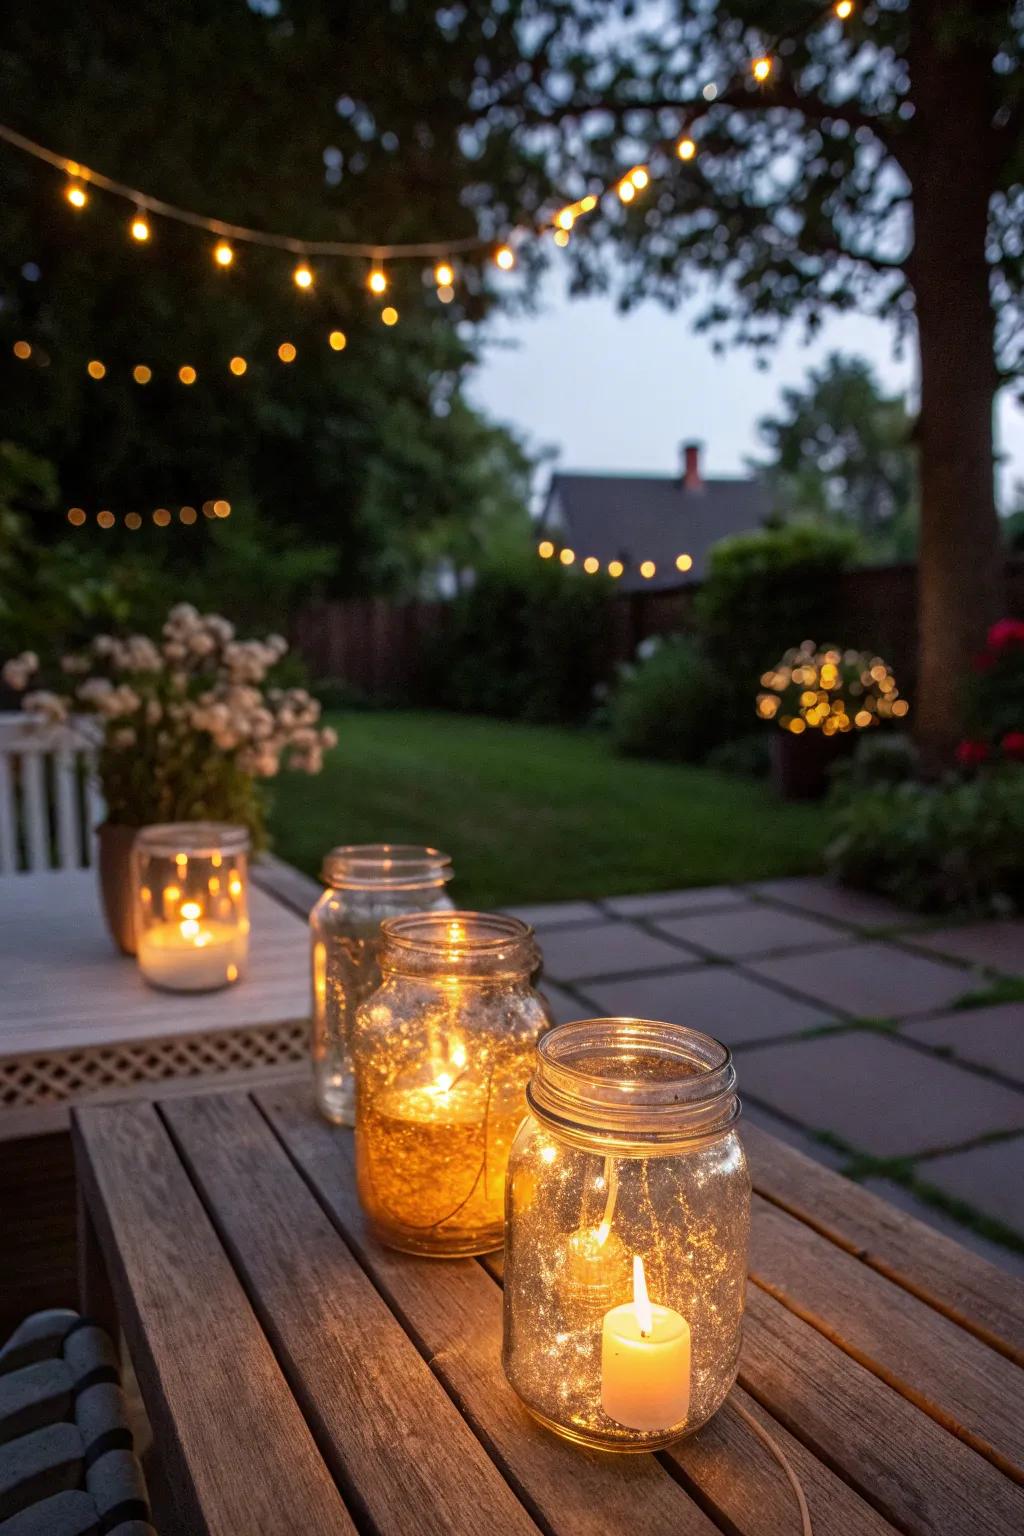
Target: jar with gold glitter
[(443, 1051), (627, 1223)]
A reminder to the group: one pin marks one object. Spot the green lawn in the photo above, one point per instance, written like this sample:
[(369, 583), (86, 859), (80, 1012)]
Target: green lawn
[(532, 813)]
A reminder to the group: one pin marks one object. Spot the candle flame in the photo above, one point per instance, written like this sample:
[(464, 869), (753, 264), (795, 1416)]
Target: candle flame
[(191, 910), (641, 1300), (602, 1232), (444, 1081), (458, 1056)]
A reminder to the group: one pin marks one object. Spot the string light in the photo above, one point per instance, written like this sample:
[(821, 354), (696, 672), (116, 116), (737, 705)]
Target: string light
[(648, 569), (639, 177), (95, 369), (188, 515), (566, 219), (141, 374), (446, 294), (590, 565), (588, 204), (222, 509), (377, 282), (76, 517), (567, 556), (76, 194), (686, 149), (615, 568), (161, 517), (561, 237), (105, 519), (545, 549), (844, 9), (338, 341), (133, 521), (684, 562), (444, 275), (187, 374), (302, 276), (626, 190), (505, 258), (22, 349), (140, 228), (238, 365), (286, 352), (389, 315), (761, 68), (223, 254)]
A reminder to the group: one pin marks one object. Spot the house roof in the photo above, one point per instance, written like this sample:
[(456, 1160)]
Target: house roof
[(633, 518)]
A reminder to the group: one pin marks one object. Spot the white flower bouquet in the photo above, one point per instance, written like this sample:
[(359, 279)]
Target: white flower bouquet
[(185, 726)]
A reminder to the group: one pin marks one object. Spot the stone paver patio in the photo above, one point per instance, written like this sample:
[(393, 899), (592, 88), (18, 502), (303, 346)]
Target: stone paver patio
[(843, 1012)]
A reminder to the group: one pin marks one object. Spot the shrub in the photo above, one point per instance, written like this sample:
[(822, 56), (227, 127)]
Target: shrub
[(668, 704), (996, 704), (955, 846), (883, 758), (764, 588), (528, 642), (747, 756)]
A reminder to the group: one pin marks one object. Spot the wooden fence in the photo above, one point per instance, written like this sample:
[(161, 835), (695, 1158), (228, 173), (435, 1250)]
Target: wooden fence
[(376, 646)]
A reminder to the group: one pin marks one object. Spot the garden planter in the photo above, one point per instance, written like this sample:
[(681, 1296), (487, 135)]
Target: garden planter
[(800, 764), (115, 876)]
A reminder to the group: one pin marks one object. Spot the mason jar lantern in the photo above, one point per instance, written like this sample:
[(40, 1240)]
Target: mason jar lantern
[(190, 882), (627, 1222), (443, 1051), (366, 883)]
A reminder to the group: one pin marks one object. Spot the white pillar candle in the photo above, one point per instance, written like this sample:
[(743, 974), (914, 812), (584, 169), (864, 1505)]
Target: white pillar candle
[(192, 955), (645, 1361)]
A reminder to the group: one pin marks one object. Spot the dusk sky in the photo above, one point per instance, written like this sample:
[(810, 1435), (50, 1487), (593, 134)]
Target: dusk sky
[(621, 392)]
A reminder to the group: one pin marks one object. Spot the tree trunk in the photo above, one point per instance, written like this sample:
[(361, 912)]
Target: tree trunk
[(960, 582)]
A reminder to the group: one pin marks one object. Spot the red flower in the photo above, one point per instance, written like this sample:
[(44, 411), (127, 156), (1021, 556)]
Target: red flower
[(1006, 632), (1013, 745), (969, 754)]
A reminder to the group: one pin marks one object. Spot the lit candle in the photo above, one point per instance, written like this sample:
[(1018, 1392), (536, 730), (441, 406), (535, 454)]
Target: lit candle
[(645, 1361), (192, 955)]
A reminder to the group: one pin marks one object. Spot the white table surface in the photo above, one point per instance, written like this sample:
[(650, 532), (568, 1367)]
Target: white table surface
[(63, 984)]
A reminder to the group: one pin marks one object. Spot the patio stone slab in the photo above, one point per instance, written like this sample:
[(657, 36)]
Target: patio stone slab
[(997, 945), (858, 908), (880, 1096), (989, 1037), (755, 930), (564, 1007), (716, 999), (990, 1178), (907, 1201), (703, 898), (790, 1134), (557, 914), (607, 949), (868, 980)]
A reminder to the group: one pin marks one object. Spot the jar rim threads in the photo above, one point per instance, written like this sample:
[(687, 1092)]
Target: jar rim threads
[(634, 1080), (483, 945), (198, 839), (385, 866)]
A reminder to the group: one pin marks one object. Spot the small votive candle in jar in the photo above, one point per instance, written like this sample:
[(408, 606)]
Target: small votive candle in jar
[(626, 1234), (443, 1050), (191, 911)]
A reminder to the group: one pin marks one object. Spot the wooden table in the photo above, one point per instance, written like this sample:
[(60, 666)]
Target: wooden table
[(302, 1380), (78, 1022)]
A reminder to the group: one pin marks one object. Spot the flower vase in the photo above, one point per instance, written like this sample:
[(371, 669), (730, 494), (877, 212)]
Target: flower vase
[(114, 849)]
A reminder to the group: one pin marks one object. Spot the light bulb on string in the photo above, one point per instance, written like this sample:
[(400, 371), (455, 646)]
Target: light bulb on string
[(561, 237), (302, 276), (588, 203), (76, 194), (639, 177), (444, 274), (223, 254), (844, 9), (140, 227), (686, 148), (389, 315), (377, 282), (761, 68), (505, 258), (626, 190), (338, 341), (566, 219)]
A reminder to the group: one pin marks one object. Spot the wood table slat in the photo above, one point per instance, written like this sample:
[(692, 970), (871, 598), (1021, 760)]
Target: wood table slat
[(205, 1368), (454, 1310), (392, 1436), (741, 1481), (981, 1298), (961, 1382), (922, 1479)]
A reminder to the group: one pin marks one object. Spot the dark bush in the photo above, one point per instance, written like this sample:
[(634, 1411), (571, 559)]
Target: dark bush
[(955, 846), (528, 642), (750, 757), (668, 704)]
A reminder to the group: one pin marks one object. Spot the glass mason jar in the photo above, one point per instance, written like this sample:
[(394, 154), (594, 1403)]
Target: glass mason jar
[(626, 1230), (190, 888), (443, 1052), (366, 883)]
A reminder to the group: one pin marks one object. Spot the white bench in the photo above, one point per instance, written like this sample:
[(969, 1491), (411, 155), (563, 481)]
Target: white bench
[(50, 803)]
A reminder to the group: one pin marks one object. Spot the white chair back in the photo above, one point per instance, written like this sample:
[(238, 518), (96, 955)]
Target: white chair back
[(50, 804)]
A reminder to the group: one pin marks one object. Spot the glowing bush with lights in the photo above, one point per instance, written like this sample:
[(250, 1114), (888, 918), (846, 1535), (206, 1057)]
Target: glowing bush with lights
[(829, 690)]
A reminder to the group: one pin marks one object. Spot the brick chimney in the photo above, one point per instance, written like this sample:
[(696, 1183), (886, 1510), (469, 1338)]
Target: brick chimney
[(691, 467)]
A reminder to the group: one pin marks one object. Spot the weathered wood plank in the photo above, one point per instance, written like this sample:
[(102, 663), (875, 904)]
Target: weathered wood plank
[(924, 1480), (977, 1295), (239, 1453), (454, 1311), (965, 1386), (741, 1482), (393, 1438)]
